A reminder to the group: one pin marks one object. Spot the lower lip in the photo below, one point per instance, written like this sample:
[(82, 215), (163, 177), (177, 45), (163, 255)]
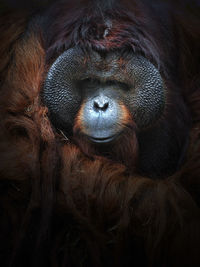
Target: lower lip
[(101, 140)]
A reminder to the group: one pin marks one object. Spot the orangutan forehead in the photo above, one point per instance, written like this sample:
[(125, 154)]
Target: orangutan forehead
[(100, 25)]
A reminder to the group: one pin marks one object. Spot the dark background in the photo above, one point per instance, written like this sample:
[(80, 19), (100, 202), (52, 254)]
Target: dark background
[(23, 4), (29, 4)]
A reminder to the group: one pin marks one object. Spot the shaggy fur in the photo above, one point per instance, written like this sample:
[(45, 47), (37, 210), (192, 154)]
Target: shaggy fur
[(58, 206)]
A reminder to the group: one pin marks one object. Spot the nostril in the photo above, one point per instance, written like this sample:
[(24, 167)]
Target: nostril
[(101, 105)]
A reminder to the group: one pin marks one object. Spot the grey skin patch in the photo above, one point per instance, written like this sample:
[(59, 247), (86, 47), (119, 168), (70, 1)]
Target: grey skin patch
[(108, 29)]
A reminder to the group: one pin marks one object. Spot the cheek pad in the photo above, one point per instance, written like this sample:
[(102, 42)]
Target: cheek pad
[(148, 101), (59, 91)]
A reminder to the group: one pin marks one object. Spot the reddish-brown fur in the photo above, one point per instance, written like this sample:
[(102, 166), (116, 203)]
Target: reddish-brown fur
[(60, 207)]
